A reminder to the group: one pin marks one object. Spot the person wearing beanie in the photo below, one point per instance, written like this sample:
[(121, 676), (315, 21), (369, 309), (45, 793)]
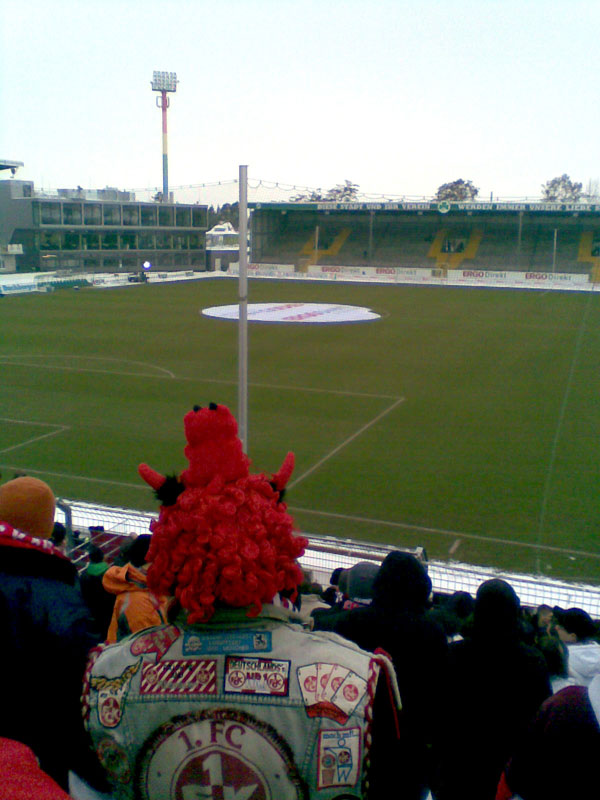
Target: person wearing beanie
[(397, 621), (492, 689), (557, 757), (28, 505), (46, 633), (233, 697), (135, 607)]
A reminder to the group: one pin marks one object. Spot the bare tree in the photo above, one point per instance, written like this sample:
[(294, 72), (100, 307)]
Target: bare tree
[(592, 190), (308, 197), (459, 190), (561, 190), (343, 191)]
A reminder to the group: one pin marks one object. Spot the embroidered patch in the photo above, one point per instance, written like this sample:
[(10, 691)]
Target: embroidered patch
[(257, 676), (338, 758), (157, 641), (221, 643), (218, 753), (114, 760), (191, 676), (330, 690), (111, 695)]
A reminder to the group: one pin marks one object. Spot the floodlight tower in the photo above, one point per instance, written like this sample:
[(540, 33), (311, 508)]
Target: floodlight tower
[(164, 82)]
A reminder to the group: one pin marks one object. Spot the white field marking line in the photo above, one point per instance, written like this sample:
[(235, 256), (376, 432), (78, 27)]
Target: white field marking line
[(346, 442), (454, 547), (59, 429), (142, 486), (442, 532), (86, 358), (559, 425), (282, 387)]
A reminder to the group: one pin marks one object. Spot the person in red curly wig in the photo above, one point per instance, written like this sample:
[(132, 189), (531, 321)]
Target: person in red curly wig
[(223, 536), (235, 697)]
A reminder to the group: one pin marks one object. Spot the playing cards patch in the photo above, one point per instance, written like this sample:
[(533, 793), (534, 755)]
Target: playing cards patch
[(330, 690), (257, 676), (192, 676), (338, 758)]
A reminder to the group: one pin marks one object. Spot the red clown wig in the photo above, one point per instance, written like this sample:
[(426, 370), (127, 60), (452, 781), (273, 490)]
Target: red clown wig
[(223, 536)]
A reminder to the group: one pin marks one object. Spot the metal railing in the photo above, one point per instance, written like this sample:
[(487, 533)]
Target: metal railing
[(326, 553)]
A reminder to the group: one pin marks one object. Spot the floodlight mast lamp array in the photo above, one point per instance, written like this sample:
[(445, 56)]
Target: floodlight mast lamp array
[(164, 82)]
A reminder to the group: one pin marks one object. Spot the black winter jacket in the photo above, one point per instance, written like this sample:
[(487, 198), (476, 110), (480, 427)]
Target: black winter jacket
[(46, 633)]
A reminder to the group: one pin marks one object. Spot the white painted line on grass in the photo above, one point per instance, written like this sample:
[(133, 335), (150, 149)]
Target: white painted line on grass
[(454, 547), (346, 442), (141, 486), (59, 429), (10, 359), (442, 532), (559, 425), (223, 381)]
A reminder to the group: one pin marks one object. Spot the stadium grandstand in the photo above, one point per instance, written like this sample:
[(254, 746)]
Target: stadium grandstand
[(530, 237)]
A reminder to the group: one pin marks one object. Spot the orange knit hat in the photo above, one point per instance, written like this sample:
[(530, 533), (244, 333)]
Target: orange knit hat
[(28, 505)]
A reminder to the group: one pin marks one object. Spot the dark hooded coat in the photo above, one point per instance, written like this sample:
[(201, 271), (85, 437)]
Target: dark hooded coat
[(397, 621), (494, 686)]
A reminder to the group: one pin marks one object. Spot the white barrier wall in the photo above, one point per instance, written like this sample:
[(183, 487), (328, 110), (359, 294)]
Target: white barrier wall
[(324, 554)]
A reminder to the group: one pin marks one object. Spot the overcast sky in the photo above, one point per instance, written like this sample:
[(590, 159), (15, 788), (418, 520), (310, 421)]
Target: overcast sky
[(395, 96)]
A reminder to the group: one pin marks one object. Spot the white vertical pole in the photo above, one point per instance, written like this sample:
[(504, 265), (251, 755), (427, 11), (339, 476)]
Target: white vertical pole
[(554, 253), (243, 310)]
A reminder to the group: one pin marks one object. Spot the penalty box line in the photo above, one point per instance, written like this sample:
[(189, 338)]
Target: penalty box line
[(346, 442), (58, 429)]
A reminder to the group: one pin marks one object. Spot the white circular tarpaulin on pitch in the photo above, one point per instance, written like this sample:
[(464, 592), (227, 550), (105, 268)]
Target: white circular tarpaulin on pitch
[(294, 312)]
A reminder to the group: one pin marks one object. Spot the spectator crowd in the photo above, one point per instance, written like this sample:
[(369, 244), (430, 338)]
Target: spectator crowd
[(203, 662)]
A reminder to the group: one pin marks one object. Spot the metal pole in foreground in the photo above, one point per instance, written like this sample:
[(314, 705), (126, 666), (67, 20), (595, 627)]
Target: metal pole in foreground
[(243, 310)]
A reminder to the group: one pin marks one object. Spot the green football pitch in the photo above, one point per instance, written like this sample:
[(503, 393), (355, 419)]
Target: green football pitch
[(463, 420)]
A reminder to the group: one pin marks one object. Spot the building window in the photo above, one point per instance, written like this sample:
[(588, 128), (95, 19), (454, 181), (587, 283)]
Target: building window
[(183, 217), (72, 213), (164, 241), (180, 241), (199, 217), (109, 241), (49, 240), (195, 241), (146, 241), (149, 216), (128, 241), (51, 214), (92, 213), (181, 259), (90, 240), (72, 241), (131, 215), (165, 216), (112, 214)]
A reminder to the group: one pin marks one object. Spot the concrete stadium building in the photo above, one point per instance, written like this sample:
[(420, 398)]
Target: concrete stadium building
[(96, 231)]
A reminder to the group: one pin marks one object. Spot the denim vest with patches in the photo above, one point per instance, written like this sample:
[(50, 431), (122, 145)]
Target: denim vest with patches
[(237, 709)]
